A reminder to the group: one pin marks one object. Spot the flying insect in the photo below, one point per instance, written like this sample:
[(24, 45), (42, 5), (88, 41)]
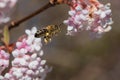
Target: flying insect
[(48, 32)]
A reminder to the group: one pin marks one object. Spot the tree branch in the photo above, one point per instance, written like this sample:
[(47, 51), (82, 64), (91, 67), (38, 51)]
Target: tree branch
[(14, 24)]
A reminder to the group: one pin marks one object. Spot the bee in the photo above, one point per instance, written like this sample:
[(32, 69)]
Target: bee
[(48, 32)]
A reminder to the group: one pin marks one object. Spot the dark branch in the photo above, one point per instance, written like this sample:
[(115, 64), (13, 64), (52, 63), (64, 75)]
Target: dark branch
[(14, 24)]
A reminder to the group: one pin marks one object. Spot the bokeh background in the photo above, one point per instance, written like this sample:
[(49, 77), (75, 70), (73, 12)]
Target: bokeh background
[(78, 57)]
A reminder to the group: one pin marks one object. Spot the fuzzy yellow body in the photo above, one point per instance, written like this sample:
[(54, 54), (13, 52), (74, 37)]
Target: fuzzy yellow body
[(47, 32)]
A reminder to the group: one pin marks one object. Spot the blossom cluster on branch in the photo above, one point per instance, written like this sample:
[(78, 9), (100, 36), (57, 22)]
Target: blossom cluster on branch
[(27, 63), (89, 15)]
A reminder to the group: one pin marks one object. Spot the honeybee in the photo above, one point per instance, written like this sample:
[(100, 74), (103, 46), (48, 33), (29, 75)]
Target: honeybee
[(48, 32)]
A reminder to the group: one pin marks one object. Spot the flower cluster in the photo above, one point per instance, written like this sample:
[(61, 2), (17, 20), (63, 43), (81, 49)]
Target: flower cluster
[(27, 64), (5, 7), (89, 15), (4, 60)]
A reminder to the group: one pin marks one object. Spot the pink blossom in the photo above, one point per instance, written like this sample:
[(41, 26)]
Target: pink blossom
[(27, 63), (89, 15), (4, 60), (5, 7)]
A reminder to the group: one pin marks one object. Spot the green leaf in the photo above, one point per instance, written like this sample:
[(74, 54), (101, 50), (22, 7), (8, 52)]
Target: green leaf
[(6, 36)]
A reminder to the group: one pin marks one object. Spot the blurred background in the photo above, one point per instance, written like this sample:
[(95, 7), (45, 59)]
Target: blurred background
[(78, 57)]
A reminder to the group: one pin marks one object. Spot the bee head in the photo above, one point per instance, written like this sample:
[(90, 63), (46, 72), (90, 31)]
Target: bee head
[(40, 33), (37, 34)]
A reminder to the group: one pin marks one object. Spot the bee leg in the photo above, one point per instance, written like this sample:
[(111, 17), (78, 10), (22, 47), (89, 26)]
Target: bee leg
[(47, 39)]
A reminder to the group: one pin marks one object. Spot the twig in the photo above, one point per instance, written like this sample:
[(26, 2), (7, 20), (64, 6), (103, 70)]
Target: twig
[(14, 24)]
